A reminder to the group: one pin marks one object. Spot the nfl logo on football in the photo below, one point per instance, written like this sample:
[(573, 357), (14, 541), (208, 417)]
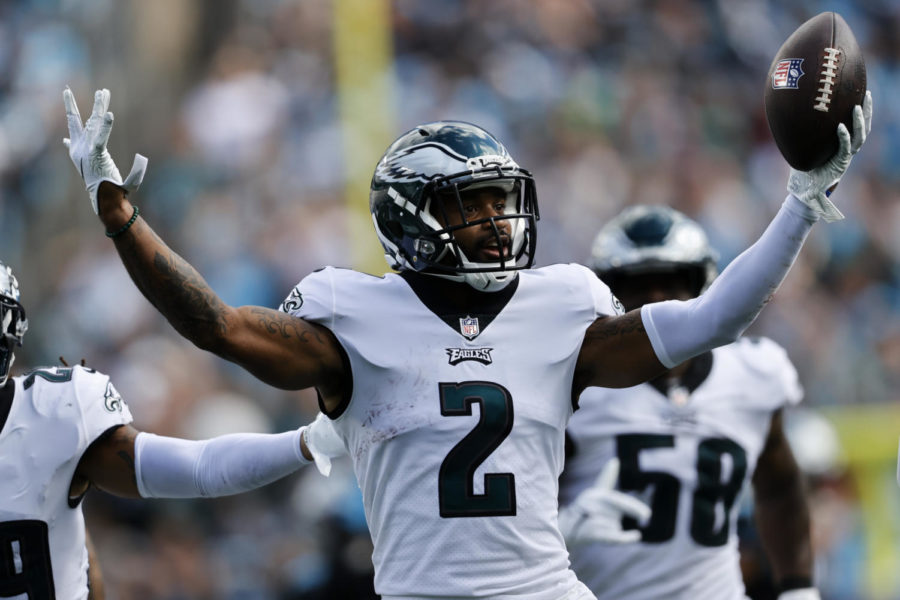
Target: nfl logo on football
[(468, 326), (787, 73)]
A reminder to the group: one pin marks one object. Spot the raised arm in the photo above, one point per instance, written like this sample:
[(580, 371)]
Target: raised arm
[(628, 349), (279, 349), (632, 348)]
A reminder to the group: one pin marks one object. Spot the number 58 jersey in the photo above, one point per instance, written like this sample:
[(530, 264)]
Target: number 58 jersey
[(456, 422), (54, 416), (689, 453)]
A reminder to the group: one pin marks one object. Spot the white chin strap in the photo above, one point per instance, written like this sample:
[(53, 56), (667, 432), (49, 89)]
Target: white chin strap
[(490, 281), (483, 282)]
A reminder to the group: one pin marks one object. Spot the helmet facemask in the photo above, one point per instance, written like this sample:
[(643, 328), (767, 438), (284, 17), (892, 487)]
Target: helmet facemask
[(513, 230)]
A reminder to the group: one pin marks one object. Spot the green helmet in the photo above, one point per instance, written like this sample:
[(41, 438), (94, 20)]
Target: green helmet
[(653, 239), (447, 157)]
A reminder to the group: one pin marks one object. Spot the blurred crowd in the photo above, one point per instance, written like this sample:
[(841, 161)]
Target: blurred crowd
[(607, 102)]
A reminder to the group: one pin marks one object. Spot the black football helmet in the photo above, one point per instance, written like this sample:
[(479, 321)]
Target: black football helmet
[(445, 158), (653, 239), (12, 319)]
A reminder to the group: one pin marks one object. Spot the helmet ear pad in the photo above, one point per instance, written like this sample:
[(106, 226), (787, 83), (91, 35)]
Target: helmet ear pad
[(411, 233)]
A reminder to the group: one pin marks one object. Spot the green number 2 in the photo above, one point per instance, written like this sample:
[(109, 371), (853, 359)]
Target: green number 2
[(456, 487), (62, 374)]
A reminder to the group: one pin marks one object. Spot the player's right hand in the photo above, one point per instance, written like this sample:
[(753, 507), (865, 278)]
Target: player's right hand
[(87, 147), (596, 514), (814, 187), (323, 443)]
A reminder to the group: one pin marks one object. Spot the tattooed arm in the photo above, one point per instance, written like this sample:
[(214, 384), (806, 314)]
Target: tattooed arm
[(616, 353), (279, 349)]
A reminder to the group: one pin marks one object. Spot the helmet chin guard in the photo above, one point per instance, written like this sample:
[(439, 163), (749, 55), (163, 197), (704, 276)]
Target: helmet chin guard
[(443, 159)]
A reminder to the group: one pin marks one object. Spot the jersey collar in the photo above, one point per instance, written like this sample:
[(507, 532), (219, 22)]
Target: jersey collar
[(453, 301), (693, 377)]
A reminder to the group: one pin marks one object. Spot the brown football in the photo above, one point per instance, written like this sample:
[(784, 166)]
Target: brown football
[(816, 79)]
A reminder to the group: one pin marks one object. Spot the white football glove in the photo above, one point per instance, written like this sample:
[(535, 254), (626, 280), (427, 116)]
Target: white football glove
[(87, 147), (814, 187), (800, 594), (596, 514), (323, 443)]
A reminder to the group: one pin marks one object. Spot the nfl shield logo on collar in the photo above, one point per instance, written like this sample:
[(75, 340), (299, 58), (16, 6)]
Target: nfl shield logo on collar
[(787, 73), (468, 326)]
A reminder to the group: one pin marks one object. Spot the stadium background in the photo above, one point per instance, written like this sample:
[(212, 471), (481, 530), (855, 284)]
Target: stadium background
[(263, 120)]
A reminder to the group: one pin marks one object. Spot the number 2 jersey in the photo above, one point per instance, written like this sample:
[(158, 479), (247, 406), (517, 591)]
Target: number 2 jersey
[(456, 423), (689, 453), (55, 415)]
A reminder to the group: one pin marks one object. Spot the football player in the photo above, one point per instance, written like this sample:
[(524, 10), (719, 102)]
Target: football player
[(447, 380), (64, 429), (688, 441)]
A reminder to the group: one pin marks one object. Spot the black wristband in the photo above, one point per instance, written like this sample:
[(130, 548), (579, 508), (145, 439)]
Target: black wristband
[(126, 226), (795, 582)]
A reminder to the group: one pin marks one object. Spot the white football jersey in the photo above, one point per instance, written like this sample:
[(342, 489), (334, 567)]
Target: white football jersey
[(689, 456), (56, 414), (456, 425)]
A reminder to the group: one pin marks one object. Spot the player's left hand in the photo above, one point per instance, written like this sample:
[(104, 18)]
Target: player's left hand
[(814, 187), (596, 514), (87, 147), (323, 443), (800, 594)]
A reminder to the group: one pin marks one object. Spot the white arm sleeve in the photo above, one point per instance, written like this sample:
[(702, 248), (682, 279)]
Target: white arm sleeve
[(679, 330), (230, 464)]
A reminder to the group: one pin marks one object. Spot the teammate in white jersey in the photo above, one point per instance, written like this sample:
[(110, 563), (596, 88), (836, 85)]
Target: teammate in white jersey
[(63, 429), (689, 441), (448, 382)]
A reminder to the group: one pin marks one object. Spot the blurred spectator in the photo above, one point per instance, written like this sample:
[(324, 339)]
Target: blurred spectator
[(609, 103)]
